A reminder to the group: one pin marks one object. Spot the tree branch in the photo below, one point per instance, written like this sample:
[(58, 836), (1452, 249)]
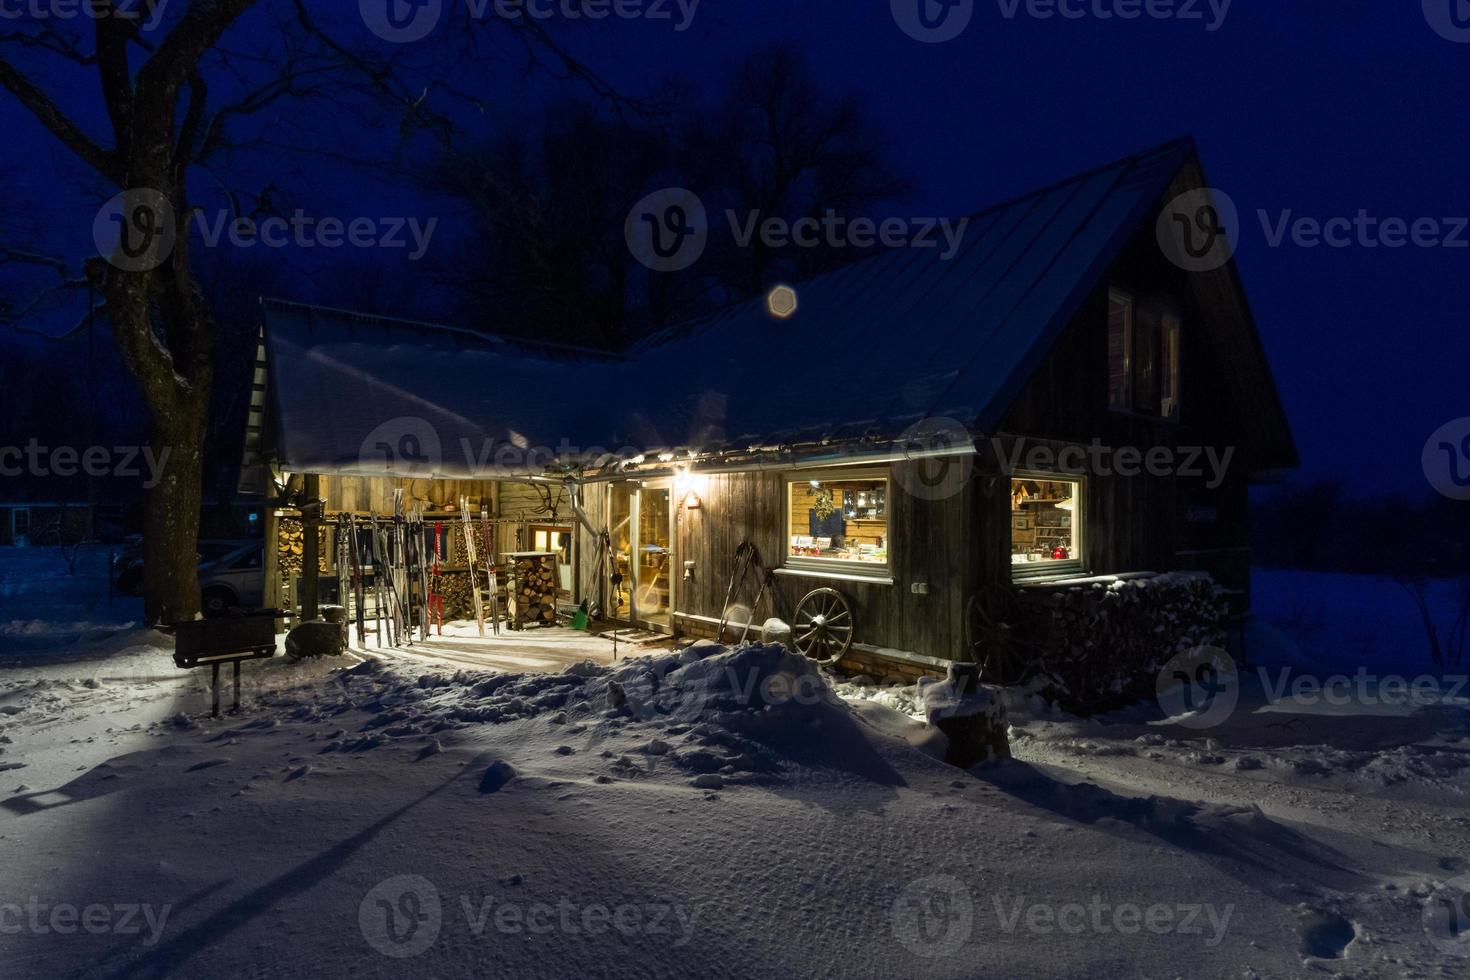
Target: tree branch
[(58, 124)]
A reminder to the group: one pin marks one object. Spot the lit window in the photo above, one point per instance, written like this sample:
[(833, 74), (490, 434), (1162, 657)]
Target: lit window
[(1143, 356), (553, 539), (839, 524), (1046, 524)]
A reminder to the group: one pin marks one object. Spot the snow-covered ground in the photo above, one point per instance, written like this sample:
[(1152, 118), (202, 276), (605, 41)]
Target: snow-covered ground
[(48, 610), (712, 813)]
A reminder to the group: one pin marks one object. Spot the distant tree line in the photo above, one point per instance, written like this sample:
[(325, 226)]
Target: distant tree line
[(546, 199), (1319, 527)]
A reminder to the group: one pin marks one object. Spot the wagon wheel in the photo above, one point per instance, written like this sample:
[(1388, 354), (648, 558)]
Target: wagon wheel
[(992, 620), (823, 630)]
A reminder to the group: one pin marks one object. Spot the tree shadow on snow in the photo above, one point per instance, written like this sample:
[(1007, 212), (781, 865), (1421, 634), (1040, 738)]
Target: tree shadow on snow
[(101, 780), (1239, 841), (168, 957)]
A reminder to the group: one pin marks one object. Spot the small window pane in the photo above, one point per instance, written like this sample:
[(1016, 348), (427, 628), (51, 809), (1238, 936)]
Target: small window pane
[(1045, 523), (1169, 406), (1146, 356), (1120, 335)]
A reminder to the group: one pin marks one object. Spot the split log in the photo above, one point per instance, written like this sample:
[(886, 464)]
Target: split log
[(291, 546), (533, 591)]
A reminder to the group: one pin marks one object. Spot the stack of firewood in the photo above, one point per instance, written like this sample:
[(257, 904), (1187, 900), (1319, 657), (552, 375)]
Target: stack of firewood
[(291, 546), (459, 601), (454, 551), (1107, 642), (533, 591)]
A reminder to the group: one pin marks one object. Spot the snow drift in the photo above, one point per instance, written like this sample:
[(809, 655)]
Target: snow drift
[(750, 713)]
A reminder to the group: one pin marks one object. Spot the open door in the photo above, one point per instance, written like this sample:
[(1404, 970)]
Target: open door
[(641, 524), (653, 580)]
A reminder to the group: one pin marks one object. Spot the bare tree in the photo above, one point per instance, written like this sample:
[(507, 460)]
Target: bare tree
[(778, 145), (548, 204), (549, 201), (171, 99)]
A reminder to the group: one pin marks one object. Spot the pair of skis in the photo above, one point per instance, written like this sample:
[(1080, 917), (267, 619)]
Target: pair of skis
[(407, 587), (435, 611), (472, 556), (349, 572), (491, 579)]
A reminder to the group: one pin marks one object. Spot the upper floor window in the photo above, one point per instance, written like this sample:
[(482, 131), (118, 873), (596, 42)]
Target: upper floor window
[(1143, 356)]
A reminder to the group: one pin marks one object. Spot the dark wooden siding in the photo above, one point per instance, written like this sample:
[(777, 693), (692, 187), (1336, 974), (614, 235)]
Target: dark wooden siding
[(1145, 522), (931, 543)]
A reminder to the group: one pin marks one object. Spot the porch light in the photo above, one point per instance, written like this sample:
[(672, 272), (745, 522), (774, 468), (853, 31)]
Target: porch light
[(689, 489)]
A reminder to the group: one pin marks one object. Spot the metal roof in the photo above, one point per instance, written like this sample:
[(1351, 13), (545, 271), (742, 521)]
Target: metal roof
[(906, 335), (876, 347)]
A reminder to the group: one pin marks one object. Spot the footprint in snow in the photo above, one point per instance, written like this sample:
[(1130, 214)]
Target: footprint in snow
[(1325, 935), (208, 764)]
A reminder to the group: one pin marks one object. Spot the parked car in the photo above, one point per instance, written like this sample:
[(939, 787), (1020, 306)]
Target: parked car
[(231, 573), (234, 581)]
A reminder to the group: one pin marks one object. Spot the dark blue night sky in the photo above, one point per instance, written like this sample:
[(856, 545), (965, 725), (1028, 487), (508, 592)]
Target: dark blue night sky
[(1320, 109)]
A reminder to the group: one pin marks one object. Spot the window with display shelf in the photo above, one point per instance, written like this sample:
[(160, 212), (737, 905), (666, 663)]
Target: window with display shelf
[(1046, 524), (839, 523)]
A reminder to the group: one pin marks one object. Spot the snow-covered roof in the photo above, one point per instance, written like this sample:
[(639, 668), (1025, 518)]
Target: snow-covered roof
[(877, 347)]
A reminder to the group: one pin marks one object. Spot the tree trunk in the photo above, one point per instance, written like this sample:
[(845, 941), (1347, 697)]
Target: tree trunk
[(171, 520)]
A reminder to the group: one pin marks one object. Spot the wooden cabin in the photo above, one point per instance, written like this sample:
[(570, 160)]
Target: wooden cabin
[(1057, 401)]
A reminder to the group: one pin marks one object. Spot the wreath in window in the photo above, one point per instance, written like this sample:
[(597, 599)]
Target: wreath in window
[(824, 507)]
